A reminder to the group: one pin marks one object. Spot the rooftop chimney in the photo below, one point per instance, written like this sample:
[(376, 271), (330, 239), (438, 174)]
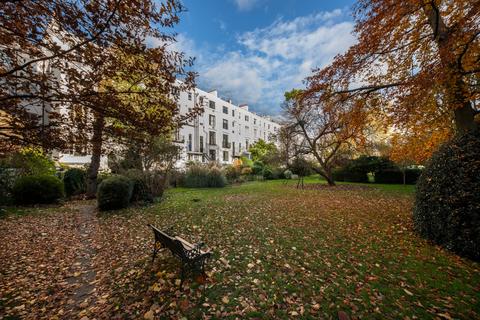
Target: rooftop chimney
[(244, 106), (214, 92)]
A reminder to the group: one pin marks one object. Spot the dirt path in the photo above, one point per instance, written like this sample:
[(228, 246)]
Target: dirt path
[(83, 280)]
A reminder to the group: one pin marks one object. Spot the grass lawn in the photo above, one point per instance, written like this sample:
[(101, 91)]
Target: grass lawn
[(279, 252)]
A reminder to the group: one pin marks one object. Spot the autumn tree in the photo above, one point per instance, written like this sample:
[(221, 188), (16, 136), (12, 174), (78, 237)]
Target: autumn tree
[(50, 49), (288, 139), (417, 65), (72, 71), (323, 130), (416, 61), (138, 99)]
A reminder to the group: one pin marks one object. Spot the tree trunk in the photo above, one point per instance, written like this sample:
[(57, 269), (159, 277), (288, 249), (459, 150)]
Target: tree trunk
[(327, 174), (457, 93), (329, 179), (97, 140)]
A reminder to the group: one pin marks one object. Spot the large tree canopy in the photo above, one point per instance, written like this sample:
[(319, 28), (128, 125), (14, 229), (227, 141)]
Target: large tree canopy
[(68, 53), (417, 63)]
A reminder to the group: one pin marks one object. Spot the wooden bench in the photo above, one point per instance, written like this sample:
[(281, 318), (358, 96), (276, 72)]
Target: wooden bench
[(192, 258)]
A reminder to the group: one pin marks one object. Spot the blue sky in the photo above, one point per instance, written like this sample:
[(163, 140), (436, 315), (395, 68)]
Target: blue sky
[(254, 50)]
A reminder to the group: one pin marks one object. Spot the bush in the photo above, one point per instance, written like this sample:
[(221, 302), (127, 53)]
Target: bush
[(103, 176), (247, 171), (75, 181), (412, 175), (37, 189), (389, 176), (257, 168), (301, 167), (198, 176), (447, 204), (232, 173), (338, 175), (140, 190), (287, 174), (32, 162), (268, 174), (155, 181), (114, 193), (350, 174), (216, 179)]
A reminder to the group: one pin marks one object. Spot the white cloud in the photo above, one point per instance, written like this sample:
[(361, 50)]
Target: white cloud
[(245, 5), (273, 59)]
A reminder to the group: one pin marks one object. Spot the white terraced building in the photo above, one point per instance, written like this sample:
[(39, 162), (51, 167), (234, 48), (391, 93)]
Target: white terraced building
[(223, 132)]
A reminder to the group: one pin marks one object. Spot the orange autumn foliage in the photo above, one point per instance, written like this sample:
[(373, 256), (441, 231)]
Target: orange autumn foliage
[(416, 66)]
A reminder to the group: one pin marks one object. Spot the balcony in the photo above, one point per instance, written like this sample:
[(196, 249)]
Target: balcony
[(226, 145)]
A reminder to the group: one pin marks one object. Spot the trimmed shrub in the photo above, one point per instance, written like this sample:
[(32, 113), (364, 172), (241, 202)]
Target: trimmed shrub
[(75, 181), (114, 193), (278, 173), (140, 190), (412, 175), (37, 189), (389, 176), (447, 204), (103, 176), (349, 174), (287, 174)]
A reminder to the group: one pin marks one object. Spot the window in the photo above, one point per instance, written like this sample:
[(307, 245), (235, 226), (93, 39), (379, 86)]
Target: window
[(246, 118), (212, 155), (190, 142), (246, 143), (211, 120), (201, 143), (246, 129), (211, 104), (233, 113), (225, 155), (254, 121), (225, 124), (268, 127), (211, 138), (255, 132), (225, 110), (190, 96), (225, 143)]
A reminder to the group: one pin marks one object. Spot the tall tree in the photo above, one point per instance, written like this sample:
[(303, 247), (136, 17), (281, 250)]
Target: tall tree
[(325, 130), (57, 53), (417, 62)]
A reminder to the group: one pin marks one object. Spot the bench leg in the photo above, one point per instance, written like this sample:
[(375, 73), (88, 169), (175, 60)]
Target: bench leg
[(155, 251), (182, 276)]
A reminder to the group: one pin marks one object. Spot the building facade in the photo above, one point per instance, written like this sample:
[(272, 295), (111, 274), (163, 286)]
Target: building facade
[(223, 131)]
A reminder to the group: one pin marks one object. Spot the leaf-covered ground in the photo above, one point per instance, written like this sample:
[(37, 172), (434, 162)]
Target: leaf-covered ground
[(279, 252)]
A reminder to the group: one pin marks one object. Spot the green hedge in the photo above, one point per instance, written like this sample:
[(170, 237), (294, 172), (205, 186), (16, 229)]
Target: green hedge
[(389, 176), (447, 204), (37, 189), (349, 175), (114, 193), (75, 181), (412, 175)]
